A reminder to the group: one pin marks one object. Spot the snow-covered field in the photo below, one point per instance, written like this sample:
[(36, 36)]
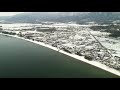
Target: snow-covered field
[(20, 25), (109, 43)]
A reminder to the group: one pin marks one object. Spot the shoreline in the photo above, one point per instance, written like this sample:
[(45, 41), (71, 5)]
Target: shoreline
[(81, 58)]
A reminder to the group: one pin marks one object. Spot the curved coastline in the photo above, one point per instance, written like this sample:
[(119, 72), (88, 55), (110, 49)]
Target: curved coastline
[(81, 58)]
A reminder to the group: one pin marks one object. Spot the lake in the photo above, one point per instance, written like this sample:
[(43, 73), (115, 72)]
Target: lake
[(23, 59)]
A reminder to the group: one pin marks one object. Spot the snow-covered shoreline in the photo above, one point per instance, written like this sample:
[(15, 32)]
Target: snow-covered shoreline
[(81, 58)]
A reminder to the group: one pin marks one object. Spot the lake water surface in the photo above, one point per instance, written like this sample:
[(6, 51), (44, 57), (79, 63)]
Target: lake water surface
[(23, 59)]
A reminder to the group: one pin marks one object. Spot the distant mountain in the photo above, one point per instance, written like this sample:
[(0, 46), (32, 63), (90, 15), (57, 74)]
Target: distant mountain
[(46, 16), (79, 17), (102, 16), (4, 17)]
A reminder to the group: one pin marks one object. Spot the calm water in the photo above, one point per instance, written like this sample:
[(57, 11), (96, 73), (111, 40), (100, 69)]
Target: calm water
[(22, 59)]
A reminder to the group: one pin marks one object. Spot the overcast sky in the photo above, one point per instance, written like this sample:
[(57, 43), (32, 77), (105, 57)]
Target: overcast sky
[(9, 13), (14, 13)]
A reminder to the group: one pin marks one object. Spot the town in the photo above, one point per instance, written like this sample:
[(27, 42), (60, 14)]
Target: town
[(72, 39)]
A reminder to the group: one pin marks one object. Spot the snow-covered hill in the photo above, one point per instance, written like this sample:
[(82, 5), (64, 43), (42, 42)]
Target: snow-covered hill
[(35, 17)]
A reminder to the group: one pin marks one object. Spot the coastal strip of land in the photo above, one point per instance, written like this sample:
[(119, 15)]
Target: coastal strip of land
[(81, 58)]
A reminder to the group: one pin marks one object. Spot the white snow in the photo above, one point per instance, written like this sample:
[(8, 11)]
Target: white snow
[(62, 26)]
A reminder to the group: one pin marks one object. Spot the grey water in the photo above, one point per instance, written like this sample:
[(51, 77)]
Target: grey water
[(23, 59)]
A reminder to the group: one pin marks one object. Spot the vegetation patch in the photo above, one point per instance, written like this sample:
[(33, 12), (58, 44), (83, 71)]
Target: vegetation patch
[(114, 30)]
